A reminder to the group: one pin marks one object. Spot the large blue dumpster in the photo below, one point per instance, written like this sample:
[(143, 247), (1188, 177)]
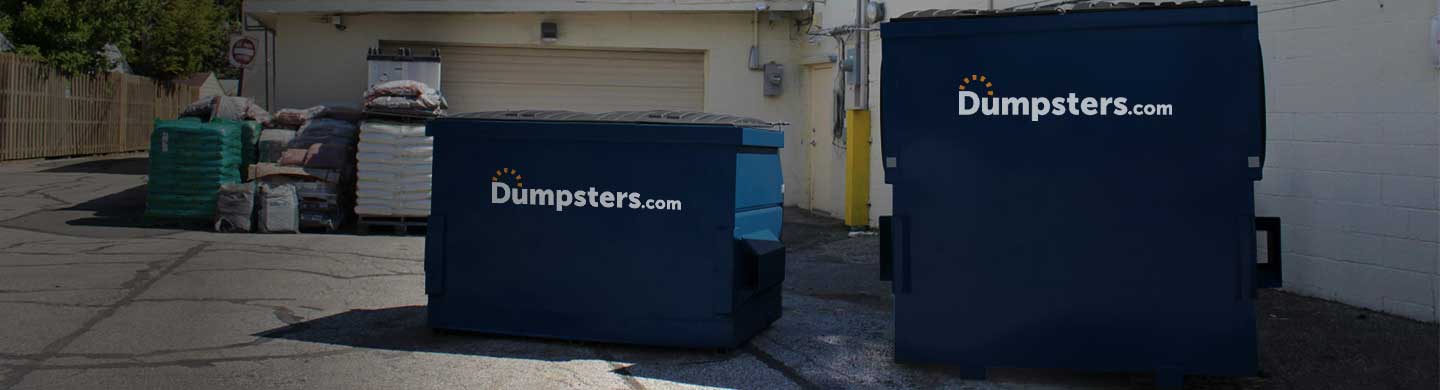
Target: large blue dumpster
[(1074, 188), (658, 228)]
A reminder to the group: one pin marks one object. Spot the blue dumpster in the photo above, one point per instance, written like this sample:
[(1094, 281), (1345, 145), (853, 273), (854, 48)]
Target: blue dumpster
[(657, 228), (1074, 188)]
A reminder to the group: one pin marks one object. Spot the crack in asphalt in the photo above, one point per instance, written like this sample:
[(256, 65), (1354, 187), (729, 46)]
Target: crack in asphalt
[(56, 304), (90, 254), (45, 189), (299, 271), (779, 366), (282, 313), (158, 352), (142, 282), (292, 251), (99, 246), (70, 264), (25, 369), (13, 291)]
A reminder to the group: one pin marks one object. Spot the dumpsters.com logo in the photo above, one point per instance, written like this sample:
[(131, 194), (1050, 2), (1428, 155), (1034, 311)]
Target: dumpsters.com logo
[(508, 186), (977, 96)]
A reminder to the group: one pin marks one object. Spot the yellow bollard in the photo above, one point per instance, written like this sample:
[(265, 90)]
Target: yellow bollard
[(857, 169)]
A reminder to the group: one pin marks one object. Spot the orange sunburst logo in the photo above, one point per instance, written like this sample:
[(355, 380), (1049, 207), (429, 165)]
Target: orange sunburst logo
[(979, 82), (512, 175)]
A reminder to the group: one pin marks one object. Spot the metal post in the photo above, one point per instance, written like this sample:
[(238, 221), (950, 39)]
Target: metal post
[(860, 97), (857, 134)]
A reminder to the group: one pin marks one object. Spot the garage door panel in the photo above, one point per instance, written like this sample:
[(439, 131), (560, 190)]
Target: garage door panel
[(576, 73), (577, 99), (627, 58), (617, 68), (564, 53), (570, 76), (628, 95), (479, 78), (572, 81)]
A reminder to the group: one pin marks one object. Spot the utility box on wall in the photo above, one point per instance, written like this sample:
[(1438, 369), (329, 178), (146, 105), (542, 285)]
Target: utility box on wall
[(1075, 189), (774, 79)]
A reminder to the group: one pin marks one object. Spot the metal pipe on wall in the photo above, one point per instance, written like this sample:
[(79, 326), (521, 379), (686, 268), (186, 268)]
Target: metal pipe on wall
[(857, 124), (860, 97)]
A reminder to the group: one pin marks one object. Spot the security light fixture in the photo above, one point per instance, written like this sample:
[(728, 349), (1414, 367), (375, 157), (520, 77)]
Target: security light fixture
[(549, 32), (874, 11)]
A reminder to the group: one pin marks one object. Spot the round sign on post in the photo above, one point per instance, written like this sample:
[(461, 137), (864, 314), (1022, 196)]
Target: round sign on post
[(242, 51)]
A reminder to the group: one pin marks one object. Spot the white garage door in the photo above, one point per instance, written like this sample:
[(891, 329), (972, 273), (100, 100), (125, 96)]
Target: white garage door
[(485, 78)]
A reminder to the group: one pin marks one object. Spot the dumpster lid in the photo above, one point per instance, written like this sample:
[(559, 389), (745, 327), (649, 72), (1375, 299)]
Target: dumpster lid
[(1062, 7), (652, 116)]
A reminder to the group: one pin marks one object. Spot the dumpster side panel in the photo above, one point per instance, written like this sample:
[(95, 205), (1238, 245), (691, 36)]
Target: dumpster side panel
[(1101, 242)]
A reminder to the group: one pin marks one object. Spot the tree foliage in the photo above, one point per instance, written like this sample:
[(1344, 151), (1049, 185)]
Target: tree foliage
[(160, 38)]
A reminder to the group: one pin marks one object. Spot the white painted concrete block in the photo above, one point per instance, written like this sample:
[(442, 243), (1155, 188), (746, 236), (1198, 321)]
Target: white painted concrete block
[(1407, 10), (1279, 125), (1316, 127), (1424, 225), (1341, 186), (1276, 181), (1310, 241), (1362, 248), (1312, 275), (1390, 252), (1409, 254), (1409, 310), (1375, 220), (1410, 129), (1406, 160), (1371, 284), (1414, 192)]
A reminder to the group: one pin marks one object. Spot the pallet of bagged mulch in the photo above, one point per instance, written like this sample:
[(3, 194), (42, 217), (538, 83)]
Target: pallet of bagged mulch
[(402, 225)]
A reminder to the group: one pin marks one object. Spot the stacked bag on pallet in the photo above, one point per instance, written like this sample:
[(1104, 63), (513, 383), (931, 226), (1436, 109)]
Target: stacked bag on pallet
[(225, 107), (404, 97), (234, 109), (394, 164), (316, 161), (189, 161), (249, 145), (279, 209), (272, 143), (293, 118), (235, 208)]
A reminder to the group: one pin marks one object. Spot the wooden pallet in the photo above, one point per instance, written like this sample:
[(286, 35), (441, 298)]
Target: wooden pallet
[(399, 224)]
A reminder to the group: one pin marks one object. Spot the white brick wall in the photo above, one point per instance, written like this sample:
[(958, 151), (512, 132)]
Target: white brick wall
[(1353, 162)]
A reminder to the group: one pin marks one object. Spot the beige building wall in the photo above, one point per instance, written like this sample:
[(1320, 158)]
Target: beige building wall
[(320, 65)]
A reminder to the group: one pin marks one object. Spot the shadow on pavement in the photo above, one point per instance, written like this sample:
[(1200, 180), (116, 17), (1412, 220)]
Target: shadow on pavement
[(117, 215), (404, 329), (120, 209), (125, 209), (121, 166)]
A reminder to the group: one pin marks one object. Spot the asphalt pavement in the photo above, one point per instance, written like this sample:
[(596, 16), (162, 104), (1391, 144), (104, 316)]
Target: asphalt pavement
[(93, 297)]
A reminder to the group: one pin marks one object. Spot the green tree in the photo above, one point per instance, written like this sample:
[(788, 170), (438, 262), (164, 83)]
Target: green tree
[(160, 38)]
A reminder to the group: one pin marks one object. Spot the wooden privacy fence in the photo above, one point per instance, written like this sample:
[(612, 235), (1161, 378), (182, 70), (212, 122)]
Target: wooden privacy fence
[(45, 114)]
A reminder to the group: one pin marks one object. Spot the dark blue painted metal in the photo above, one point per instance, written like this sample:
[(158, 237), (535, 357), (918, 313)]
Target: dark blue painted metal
[(705, 275), (1106, 243)]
